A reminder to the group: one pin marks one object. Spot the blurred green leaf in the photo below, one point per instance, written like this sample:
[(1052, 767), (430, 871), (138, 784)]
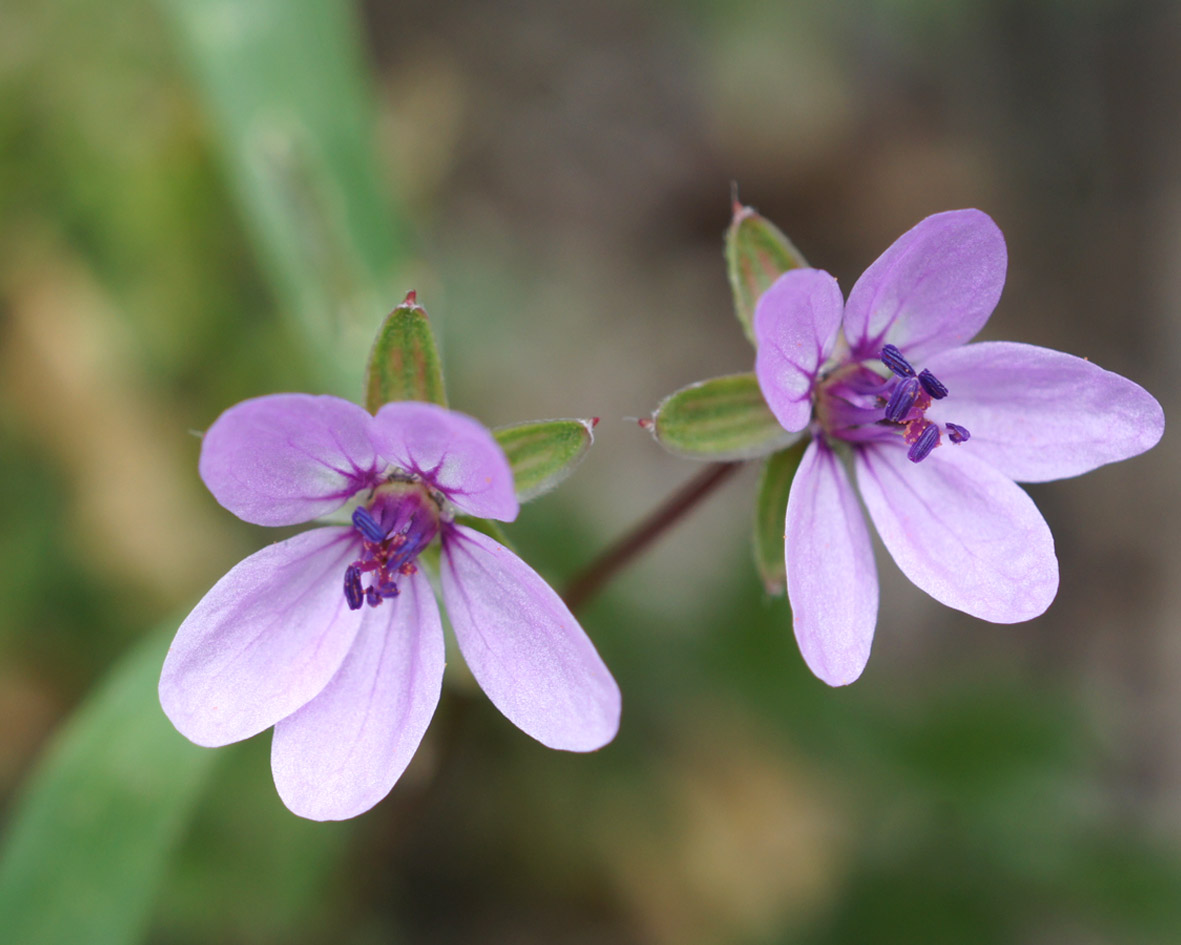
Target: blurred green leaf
[(757, 254), (286, 87), (722, 419), (544, 452), (404, 362), (775, 480), (90, 839)]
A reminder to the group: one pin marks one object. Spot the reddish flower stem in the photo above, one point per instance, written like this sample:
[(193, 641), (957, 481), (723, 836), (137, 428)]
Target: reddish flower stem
[(595, 576)]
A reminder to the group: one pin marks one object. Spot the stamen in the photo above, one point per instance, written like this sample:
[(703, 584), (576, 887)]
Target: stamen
[(932, 385), (367, 524), (903, 398), (926, 442), (394, 528), (352, 588), (894, 360), (406, 544), (957, 434)]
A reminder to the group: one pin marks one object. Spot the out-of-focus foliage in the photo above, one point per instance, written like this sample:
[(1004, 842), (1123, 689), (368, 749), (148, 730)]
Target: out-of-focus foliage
[(179, 202), (283, 83), (102, 817)]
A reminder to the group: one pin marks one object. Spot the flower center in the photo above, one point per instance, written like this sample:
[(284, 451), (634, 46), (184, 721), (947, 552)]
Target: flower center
[(856, 403), (396, 524)]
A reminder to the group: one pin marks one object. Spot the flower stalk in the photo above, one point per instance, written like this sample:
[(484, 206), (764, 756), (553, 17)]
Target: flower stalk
[(594, 577)]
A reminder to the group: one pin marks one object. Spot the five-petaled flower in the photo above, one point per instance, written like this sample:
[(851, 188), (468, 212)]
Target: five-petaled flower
[(939, 432), (334, 636)]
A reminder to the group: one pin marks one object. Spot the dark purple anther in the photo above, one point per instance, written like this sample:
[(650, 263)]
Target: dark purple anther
[(926, 442), (416, 535), (957, 434), (932, 385), (367, 525), (371, 596), (903, 398), (388, 589), (893, 359), (352, 588)]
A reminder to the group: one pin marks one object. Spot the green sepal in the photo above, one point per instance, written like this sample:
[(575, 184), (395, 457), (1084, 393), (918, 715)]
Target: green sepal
[(404, 362), (775, 480), (485, 526), (757, 253), (722, 419), (544, 452)]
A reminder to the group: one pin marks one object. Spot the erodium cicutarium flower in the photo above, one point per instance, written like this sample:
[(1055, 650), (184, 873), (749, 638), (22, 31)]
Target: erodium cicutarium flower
[(334, 636), (938, 431)]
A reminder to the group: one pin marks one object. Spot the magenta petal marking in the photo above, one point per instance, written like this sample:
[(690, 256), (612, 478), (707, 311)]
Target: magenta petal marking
[(933, 289), (961, 531), (524, 647), (796, 324), (343, 751), (452, 452), (831, 578), (1038, 414), (287, 458), (263, 642)]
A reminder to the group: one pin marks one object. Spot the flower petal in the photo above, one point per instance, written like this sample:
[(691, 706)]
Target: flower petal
[(453, 452), (287, 458), (796, 325), (960, 530), (1038, 414), (263, 642), (832, 582), (343, 751), (932, 290), (524, 647)]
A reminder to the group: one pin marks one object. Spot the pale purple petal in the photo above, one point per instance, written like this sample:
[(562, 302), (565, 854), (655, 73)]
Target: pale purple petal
[(1038, 414), (264, 641), (831, 579), (343, 751), (932, 290), (524, 647), (796, 324), (287, 458), (453, 452), (960, 530)]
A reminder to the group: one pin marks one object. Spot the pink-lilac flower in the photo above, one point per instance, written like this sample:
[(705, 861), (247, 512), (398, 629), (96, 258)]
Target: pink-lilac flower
[(334, 636), (939, 431)]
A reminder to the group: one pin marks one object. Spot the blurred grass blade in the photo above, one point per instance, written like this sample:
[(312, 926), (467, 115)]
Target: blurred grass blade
[(722, 419), (285, 85), (404, 362), (757, 254), (545, 452), (90, 838), (774, 486)]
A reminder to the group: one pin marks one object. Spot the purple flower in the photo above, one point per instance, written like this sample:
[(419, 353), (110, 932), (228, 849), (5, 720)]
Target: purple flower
[(938, 432), (334, 637)]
